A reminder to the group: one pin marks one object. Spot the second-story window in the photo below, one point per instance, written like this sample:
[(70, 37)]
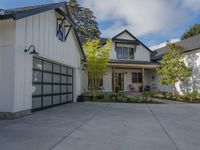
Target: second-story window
[(125, 52)]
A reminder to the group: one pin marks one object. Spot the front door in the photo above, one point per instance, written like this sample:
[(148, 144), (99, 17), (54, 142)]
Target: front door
[(118, 82)]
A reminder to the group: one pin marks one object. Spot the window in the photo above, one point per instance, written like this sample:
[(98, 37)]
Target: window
[(61, 33), (125, 52), (131, 53), (119, 52), (136, 77)]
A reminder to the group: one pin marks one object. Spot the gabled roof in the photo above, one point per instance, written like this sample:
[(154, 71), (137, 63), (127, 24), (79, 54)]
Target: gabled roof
[(19, 13), (190, 44), (126, 31)]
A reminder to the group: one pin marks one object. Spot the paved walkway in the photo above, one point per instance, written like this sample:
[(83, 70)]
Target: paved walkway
[(104, 126)]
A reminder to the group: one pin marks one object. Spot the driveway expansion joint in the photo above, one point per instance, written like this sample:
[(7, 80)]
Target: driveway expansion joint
[(77, 128), (163, 128)]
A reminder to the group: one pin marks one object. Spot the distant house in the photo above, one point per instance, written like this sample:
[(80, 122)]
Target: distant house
[(130, 66), (191, 59), (40, 59)]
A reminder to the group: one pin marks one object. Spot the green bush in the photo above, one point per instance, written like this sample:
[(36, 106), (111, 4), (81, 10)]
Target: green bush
[(116, 97), (101, 96), (191, 96), (161, 95)]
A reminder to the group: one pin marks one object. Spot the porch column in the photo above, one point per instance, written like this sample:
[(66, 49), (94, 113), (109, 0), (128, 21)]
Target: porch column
[(113, 79), (142, 79)]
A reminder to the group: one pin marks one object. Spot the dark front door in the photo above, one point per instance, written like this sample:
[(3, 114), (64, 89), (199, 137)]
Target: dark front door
[(118, 78)]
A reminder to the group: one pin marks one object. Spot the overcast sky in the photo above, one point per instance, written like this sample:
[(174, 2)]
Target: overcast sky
[(153, 21)]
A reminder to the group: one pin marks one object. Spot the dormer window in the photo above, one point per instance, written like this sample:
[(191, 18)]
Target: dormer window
[(125, 52)]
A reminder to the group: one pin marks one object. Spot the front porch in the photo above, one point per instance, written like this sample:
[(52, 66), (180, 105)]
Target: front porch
[(132, 78)]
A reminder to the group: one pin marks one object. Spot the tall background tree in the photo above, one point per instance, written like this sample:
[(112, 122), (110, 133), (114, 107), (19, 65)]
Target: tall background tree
[(172, 68), (194, 30), (86, 24), (97, 61)]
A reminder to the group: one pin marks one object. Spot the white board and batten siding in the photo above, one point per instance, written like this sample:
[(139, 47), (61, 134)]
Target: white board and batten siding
[(7, 46), (192, 60), (38, 30)]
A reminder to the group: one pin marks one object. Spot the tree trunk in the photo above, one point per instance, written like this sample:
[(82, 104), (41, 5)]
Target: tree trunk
[(93, 88), (174, 90)]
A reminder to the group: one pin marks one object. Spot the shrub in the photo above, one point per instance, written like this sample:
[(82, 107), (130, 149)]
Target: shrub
[(191, 96), (117, 97), (101, 96)]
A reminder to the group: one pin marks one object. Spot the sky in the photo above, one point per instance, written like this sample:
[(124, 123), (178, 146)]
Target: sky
[(153, 21)]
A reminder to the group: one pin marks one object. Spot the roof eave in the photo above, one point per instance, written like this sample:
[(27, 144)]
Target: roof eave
[(23, 14)]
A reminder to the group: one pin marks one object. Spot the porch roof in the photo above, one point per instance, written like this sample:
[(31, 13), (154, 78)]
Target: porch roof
[(133, 64)]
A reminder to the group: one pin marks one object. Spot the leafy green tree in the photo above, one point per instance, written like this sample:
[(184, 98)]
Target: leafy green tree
[(86, 24), (172, 68), (194, 30), (97, 61), (73, 7)]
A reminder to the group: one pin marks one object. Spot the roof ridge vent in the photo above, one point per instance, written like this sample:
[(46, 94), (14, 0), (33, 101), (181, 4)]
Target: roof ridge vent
[(2, 12)]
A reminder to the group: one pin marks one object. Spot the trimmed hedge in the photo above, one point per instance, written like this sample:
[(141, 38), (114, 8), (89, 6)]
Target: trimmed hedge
[(188, 97), (119, 98)]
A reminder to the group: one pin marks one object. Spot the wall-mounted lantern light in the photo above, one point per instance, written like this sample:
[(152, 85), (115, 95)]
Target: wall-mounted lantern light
[(31, 50), (82, 68)]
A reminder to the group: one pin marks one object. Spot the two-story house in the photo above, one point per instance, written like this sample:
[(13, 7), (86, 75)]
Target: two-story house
[(130, 65)]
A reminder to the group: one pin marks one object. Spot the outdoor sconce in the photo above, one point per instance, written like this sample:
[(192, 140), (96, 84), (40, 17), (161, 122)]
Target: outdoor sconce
[(82, 68), (33, 52)]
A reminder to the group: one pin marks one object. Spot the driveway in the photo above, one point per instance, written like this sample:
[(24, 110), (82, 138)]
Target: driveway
[(105, 126)]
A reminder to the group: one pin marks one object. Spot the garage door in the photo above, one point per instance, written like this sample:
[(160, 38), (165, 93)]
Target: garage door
[(52, 84)]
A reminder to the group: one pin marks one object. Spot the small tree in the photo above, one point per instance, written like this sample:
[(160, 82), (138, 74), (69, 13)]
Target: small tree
[(97, 61), (172, 68)]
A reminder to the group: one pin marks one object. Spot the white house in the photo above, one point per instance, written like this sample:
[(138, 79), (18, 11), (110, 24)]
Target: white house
[(191, 58), (40, 59), (130, 66)]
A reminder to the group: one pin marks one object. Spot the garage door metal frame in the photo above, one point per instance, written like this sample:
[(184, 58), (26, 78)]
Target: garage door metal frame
[(42, 83)]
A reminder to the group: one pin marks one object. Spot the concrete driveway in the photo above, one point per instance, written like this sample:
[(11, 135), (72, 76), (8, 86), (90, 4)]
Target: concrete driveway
[(103, 126)]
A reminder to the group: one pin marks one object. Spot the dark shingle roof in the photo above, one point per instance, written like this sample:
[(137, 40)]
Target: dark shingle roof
[(18, 13), (189, 44)]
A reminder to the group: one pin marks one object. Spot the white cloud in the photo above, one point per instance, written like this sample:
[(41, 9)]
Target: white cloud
[(193, 5), (164, 44), (141, 17)]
